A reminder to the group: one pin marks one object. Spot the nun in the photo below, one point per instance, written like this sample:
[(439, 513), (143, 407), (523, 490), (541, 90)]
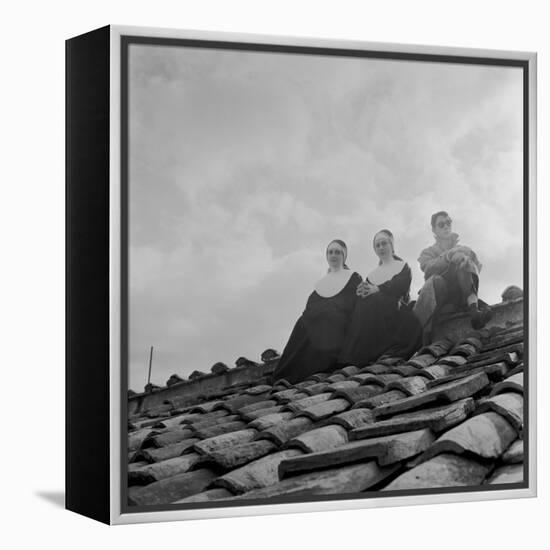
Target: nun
[(316, 341)]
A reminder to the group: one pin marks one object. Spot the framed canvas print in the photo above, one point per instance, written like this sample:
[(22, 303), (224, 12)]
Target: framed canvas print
[(300, 274)]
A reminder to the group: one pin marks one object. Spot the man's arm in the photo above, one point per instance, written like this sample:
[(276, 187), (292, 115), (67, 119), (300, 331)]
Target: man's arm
[(432, 263)]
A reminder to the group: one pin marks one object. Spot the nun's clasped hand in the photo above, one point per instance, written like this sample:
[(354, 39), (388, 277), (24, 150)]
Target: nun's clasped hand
[(365, 289)]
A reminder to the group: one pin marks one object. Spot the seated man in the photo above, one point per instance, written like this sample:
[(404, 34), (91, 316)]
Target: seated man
[(452, 277)]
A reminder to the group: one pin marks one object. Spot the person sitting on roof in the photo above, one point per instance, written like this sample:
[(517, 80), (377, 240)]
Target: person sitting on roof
[(382, 322), (317, 337), (451, 272)]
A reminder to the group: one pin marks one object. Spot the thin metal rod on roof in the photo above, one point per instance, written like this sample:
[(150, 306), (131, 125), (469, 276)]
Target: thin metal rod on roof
[(150, 365)]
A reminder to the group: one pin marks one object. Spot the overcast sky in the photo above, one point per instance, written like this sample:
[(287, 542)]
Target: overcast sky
[(244, 165)]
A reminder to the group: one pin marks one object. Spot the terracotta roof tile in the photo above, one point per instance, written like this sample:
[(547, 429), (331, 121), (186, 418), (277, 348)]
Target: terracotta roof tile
[(166, 438), (256, 390), (135, 439), (408, 370), (422, 361), (513, 384), (234, 404), (169, 451), (412, 385), (352, 419), (207, 496), (381, 399), (452, 391), (512, 473), (451, 415), (376, 369), (305, 384), (509, 405), (514, 453), (350, 370), (266, 404), (345, 384), (390, 361), (260, 413), (210, 421), (437, 371), (517, 369), (319, 439), (342, 480), (486, 435), (171, 489), (284, 396), (259, 473), (323, 410), (465, 350), (218, 442), (336, 378), (219, 429), (239, 455), (386, 450), (206, 407), (444, 470), (269, 420), (437, 419), (301, 404), (509, 357), (317, 388), (319, 377), (162, 470), (283, 431), (438, 348), (453, 360), (358, 394)]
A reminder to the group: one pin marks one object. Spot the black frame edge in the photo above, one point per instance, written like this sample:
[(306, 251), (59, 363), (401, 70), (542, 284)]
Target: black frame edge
[(87, 429)]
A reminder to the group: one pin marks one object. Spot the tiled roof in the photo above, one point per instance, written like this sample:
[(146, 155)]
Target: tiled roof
[(450, 416)]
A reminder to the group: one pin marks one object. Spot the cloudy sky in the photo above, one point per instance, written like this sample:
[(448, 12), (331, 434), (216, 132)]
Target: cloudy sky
[(244, 165)]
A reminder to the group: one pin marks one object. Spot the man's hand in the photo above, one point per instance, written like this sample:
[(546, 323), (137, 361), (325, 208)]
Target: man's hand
[(460, 259)]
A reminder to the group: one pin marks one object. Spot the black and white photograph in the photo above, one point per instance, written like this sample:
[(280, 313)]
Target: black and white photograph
[(327, 274)]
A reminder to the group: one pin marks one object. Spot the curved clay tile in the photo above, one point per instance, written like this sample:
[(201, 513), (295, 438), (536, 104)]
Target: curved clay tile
[(436, 419), (323, 410), (422, 361), (513, 383), (320, 439), (260, 413), (239, 455), (514, 453), (507, 474), (352, 419), (509, 405), (381, 399), (259, 473), (301, 404), (486, 435), (445, 470), (283, 431), (163, 470), (207, 496), (345, 480), (267, 403), (358, 394), (267, 421), (171, 489), (225, 440), (170, 451), (386, 450)]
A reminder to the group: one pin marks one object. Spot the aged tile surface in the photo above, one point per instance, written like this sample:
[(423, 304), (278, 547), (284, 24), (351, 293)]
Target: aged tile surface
[(449, 416)]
